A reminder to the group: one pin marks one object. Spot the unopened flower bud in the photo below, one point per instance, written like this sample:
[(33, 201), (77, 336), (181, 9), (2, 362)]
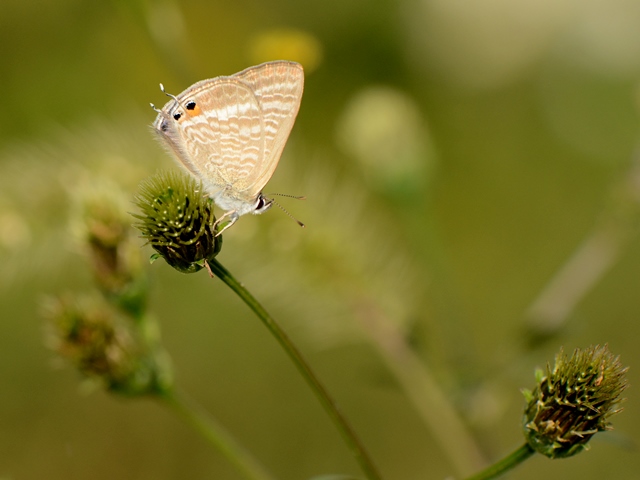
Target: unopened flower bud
[(177, 219), (573, 401)]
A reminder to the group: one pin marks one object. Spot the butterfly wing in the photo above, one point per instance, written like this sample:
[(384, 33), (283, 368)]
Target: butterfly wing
[(220, 139), (231, 131), (227, 138), (278, 89)]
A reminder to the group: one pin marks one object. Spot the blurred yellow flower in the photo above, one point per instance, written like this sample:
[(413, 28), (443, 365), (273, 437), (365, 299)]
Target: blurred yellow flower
[(286, 44)]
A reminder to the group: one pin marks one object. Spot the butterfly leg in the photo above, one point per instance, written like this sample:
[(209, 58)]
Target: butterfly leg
[(233, 217)]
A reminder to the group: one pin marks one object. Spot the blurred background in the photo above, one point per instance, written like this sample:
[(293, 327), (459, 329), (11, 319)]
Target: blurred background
[(472, 180)]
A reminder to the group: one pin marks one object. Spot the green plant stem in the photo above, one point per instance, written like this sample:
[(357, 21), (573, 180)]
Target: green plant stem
[(216, 434), (507, 463), (321, 393), (422, 389)]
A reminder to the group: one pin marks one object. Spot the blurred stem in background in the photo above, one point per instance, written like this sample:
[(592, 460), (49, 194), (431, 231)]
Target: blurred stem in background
[(194, 415), (597, 254), (383, 130), (432, 404)]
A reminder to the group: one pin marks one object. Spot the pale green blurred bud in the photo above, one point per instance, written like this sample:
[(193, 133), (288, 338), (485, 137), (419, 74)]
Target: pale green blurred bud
[(93, 336), (384, 130), (177, 220), (572, 402)]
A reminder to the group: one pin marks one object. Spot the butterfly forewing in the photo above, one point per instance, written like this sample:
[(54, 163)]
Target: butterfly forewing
[(278, 87), (227, 138)]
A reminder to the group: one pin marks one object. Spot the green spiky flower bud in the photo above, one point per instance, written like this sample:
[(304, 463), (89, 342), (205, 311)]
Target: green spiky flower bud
[(573, 401), (178, 221), (101, 344)]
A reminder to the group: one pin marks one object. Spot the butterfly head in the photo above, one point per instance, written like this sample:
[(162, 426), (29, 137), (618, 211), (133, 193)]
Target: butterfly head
[(262, 205)]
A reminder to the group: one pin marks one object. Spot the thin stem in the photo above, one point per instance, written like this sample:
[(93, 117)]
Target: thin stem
[(348, 434), (422, 389), (507, 463), (217, 435), (599, 252)]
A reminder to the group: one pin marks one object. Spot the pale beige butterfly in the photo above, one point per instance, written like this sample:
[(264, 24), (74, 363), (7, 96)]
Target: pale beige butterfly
[(229, 132)]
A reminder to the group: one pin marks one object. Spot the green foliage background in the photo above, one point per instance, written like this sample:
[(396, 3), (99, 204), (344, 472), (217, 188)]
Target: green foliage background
[(454, 156)]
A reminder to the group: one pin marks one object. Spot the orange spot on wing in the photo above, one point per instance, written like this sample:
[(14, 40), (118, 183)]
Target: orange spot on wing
[(195, 112)]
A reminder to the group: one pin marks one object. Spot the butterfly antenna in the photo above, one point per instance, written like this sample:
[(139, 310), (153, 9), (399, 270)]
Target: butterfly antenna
[(168, 94), (297, 197), (285, 210)]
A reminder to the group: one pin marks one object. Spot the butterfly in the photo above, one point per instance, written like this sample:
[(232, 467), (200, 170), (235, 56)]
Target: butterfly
[(230, 131)]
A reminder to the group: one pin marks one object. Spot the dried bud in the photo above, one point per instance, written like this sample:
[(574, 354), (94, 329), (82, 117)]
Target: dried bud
[(103, 346), (573, 401), (177, 220)]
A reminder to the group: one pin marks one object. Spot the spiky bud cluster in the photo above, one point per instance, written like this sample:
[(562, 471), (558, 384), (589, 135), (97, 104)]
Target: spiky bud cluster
[(100, 343), (573, 401), (177, 220)]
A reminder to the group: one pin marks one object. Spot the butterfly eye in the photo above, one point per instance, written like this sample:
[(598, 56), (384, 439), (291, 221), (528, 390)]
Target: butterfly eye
[(191, 105), (263, 204), (176, 116)]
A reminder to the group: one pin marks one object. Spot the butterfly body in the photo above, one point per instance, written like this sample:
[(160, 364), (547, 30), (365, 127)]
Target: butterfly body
[(230, 131)]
